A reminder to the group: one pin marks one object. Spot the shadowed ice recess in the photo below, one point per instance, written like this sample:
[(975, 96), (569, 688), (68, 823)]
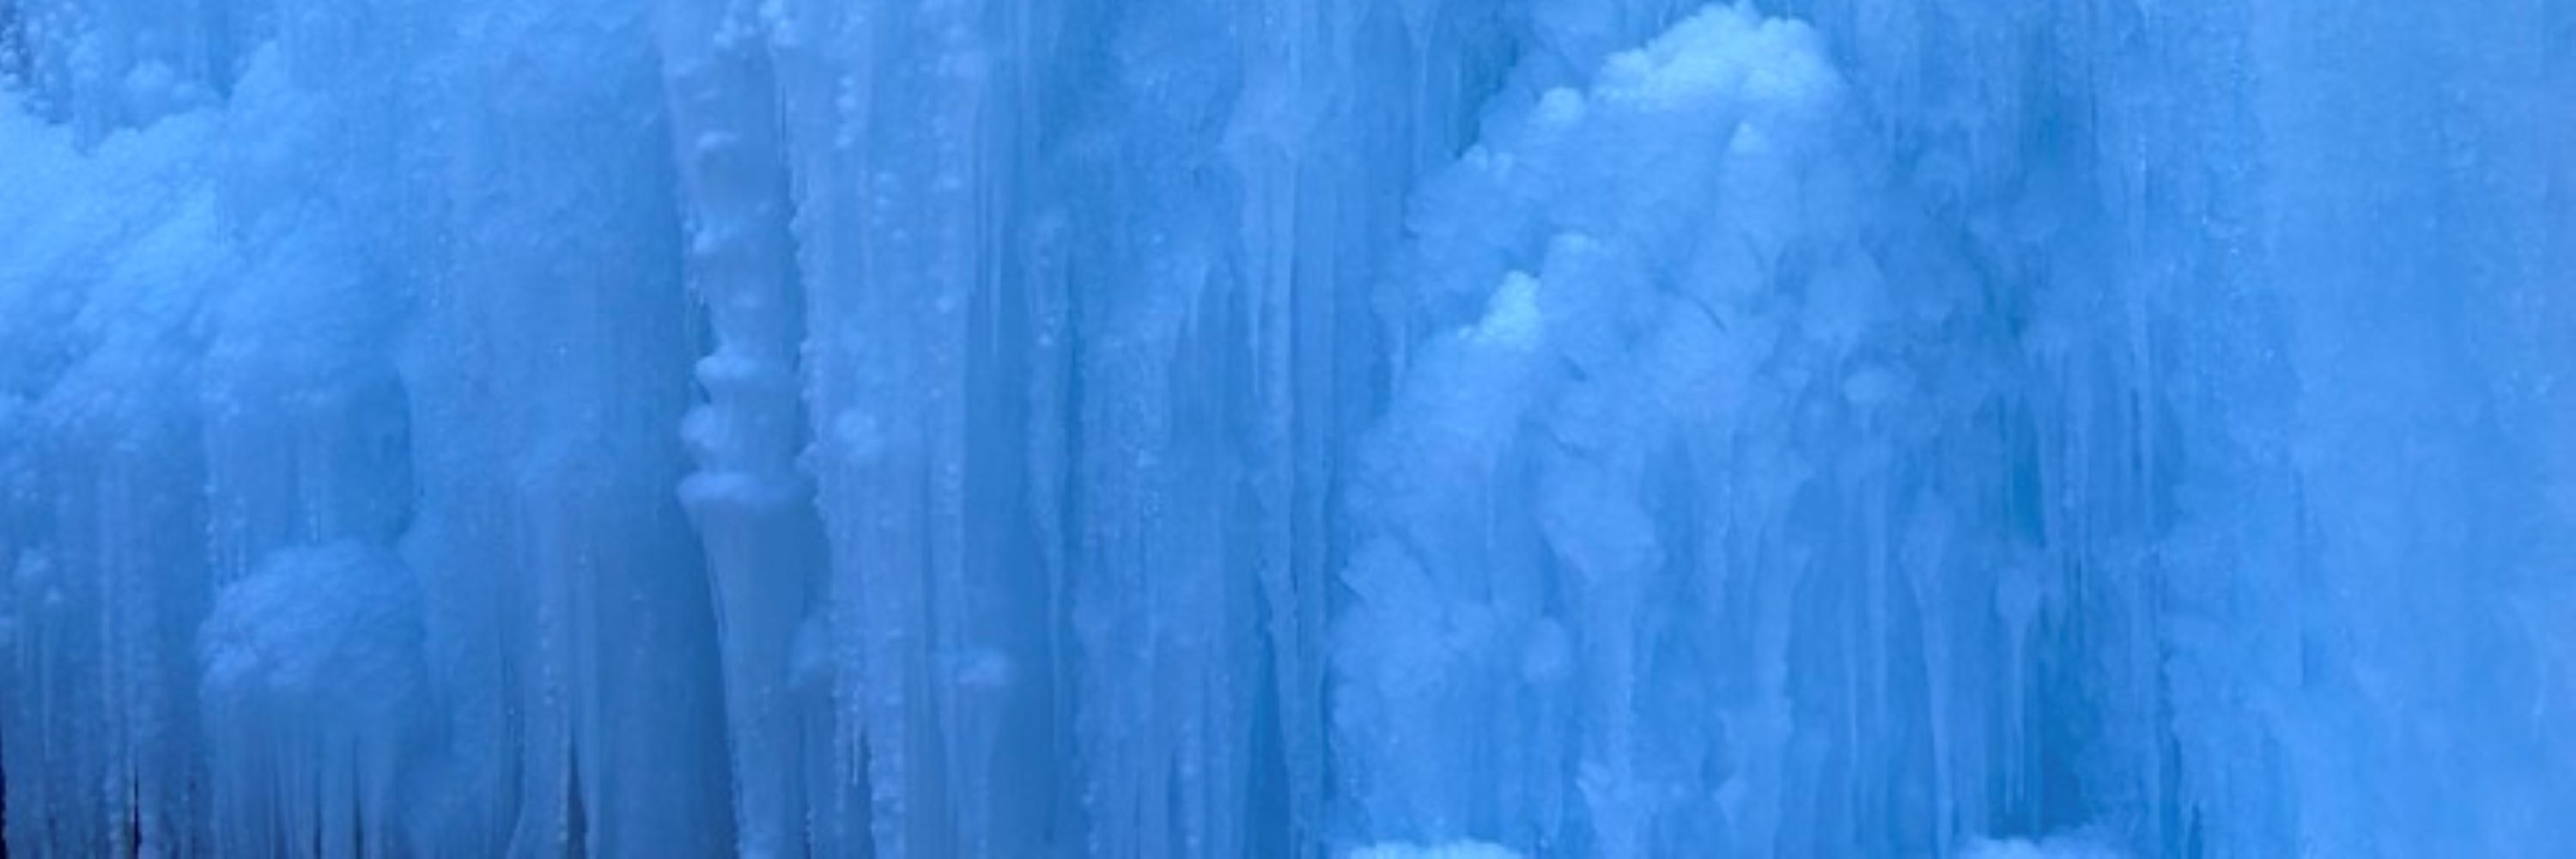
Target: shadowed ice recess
[(1311, 429)]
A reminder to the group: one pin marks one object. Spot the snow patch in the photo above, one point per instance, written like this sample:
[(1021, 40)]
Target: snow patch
[(333, 627), (1445, 850), (2054, 847)]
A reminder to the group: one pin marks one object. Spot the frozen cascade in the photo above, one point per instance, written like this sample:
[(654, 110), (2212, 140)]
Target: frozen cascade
[(1475, 428)]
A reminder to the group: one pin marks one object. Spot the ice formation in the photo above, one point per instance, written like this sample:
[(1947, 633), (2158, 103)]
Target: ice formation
[(1295, 428)]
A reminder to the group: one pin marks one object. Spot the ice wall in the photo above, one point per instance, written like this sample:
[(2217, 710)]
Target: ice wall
[(1287, 428)]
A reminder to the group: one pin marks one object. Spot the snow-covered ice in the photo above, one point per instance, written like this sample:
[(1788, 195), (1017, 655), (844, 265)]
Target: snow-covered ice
[(1287, 428)]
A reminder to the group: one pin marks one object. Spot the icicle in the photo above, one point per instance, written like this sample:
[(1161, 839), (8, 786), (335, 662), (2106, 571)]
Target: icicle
[(751, 503)]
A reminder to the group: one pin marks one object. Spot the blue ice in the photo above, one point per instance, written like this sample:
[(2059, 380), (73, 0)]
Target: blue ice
[(1413, 429)]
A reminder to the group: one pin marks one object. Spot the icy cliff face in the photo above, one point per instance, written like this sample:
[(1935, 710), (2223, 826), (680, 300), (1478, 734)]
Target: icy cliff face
[(1287, 428)]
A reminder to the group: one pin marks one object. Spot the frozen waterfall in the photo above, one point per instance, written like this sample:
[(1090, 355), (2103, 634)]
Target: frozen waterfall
[(1316, 429)]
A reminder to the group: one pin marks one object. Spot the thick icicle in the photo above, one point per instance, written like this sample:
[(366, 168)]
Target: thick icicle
[(752, 504)]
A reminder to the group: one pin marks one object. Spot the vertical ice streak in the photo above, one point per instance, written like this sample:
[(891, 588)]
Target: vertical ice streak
[(568, 607), (752, 504), (1157, 622), (905, 152), (2427, 408)]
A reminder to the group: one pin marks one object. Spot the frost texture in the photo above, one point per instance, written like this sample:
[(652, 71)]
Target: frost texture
[(1141, 428)]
